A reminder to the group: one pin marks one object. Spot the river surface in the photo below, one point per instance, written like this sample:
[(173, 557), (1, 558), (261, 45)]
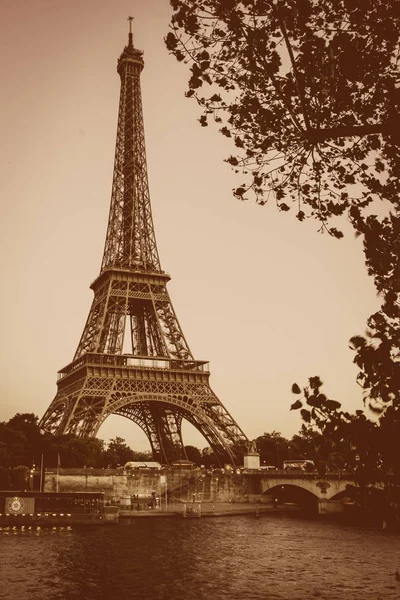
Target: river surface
[(235, 558)]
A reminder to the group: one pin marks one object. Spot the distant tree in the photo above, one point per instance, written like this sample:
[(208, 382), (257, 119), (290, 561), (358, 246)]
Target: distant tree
[(239, 449), (305, 443), (27, 423), (20, 440), (15, 478), (20, 478), (309, 93), (22, 443), (118, 453), (193, 454), (208, 458), (72, 451), (13, 447), (5, 478), (273, 449), (325, 452), (142, 456)]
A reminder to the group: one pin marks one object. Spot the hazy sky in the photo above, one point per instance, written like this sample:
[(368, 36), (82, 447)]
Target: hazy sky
[(266, 299)]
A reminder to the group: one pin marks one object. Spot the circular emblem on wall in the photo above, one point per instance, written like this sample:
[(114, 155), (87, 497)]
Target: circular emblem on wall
[(15, 505)]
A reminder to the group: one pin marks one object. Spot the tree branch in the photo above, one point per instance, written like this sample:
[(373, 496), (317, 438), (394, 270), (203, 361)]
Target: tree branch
[(295, 73), (320, 135)]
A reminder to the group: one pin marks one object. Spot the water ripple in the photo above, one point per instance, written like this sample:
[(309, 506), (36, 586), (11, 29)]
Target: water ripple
[(229, 558)]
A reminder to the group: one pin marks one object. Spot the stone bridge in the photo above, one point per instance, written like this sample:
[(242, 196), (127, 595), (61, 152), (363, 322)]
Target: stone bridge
[(327, 492), (328, 487)]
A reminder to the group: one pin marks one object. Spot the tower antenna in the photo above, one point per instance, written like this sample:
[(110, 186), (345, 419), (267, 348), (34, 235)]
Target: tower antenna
[(130, 19)]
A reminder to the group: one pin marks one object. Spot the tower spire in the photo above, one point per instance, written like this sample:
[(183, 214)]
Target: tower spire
[(130, 43)]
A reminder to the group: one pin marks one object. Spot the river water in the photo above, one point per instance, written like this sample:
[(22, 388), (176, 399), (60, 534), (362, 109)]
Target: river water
[(235, 558)]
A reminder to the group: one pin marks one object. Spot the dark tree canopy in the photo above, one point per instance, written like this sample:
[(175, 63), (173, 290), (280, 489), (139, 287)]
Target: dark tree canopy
[(118, 453), (193, 454), (23, 443), (306, 90), (309, 93), (371, 449), (374, 445)]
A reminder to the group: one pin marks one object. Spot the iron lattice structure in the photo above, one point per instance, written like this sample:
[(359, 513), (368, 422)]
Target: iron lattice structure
[(159, 383)]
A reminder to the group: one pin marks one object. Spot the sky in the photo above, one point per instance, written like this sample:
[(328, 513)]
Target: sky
[(266, 299)]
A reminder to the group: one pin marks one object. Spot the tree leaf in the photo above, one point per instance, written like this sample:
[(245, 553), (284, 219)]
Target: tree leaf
[(332, 404), (171, 41), (315, 382), (240, 191), (296, 405), (312, 400), (305, 415)]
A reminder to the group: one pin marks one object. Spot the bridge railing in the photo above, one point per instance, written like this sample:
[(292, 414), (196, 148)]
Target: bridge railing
[(291, 474)]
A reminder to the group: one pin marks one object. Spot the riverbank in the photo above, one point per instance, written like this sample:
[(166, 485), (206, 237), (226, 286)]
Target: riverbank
[(354, 518), (207, 509)]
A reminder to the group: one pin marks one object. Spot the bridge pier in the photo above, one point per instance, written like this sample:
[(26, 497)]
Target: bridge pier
[(329, 507)]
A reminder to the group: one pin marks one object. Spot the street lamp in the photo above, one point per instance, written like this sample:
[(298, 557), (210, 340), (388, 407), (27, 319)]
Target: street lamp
[(32, 472)]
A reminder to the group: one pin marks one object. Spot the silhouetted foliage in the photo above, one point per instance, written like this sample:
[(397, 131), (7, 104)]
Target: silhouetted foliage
[(309, 94), (71, 451), (273, 449), (309, 444), (15, 478), (194, 455), (21, 442), (208, 458), (118, 453), (239, 449), (142, 456), (372, 448), (307, 91)]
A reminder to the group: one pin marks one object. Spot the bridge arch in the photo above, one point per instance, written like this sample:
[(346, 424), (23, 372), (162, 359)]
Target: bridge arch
[(329, 488), (289, 494)]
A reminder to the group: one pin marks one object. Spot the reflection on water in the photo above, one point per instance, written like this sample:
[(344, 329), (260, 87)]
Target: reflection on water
[(239, 558)]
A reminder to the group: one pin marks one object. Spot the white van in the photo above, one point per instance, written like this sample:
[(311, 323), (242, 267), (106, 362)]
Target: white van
[(298, 465)]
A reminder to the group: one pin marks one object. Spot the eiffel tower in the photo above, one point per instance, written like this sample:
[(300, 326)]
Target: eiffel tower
[(159, 383)]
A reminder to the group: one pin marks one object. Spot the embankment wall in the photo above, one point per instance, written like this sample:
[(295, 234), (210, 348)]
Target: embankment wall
[(182, 484)]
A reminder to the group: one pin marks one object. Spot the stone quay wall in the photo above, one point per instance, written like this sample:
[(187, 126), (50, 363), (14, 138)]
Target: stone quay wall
[(198, 485), (180, 484)]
